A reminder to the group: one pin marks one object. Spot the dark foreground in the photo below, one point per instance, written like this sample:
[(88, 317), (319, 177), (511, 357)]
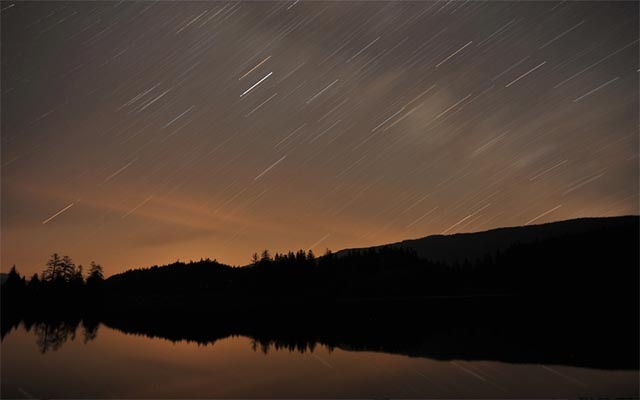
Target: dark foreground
[(563, 331)]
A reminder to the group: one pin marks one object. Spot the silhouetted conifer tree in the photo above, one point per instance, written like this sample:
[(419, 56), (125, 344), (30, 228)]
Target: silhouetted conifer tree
[(266, 256), (53, 269)]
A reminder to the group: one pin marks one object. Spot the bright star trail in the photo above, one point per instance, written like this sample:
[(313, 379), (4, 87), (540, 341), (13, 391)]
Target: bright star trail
[(210, 129)]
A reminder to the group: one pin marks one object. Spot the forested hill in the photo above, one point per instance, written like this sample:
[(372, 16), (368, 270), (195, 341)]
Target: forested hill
[(458, 247), (596, 258)]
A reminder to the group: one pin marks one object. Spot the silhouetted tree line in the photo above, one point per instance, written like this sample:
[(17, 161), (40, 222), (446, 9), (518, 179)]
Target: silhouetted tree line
[(597, 263), (601, 263), (62, 287)]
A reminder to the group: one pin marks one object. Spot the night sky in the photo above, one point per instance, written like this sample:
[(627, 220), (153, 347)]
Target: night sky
[(136, 133)]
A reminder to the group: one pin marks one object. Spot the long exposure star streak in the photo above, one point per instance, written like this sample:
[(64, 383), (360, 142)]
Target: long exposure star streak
[(210, 129)]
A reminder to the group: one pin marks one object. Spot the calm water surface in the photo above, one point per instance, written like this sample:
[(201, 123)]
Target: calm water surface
[(115, 364)]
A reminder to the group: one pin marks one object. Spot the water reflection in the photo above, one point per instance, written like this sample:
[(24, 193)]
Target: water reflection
[(568, 344), (51, 335), (115, 364), (460, 349)]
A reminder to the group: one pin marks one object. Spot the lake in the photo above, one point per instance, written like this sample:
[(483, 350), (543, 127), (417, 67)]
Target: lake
[(103, 362)]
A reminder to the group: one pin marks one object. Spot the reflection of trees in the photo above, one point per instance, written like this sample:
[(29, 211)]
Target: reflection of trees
[(8, 324), (90, 329), (52, 335), (300, 345)]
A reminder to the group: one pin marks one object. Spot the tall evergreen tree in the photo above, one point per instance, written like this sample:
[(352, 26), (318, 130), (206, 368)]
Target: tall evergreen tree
[(95, 273), (68, 269), (53, 269)]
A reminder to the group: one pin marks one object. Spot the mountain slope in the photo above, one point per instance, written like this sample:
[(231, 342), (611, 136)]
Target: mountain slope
[(471, 246)]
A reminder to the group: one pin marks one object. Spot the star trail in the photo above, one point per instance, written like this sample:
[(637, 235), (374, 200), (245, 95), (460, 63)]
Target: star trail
[(137, 133)]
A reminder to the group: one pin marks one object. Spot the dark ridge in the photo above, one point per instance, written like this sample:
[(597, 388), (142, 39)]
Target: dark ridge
[(457, 247)]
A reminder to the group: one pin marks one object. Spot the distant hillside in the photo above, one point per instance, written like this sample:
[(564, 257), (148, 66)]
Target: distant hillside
[(590, 258), (3, 277), (471, 246)]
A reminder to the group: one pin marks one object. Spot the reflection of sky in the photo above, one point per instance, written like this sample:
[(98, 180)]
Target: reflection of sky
[(138, 133), (120, 365)]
